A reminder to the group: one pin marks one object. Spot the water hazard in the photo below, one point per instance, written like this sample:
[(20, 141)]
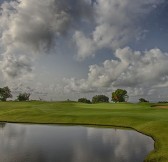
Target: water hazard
[(46, 143)]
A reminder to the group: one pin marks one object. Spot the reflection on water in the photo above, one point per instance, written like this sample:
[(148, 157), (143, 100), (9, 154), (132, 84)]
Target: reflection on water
[(2, 125), (43, 143)]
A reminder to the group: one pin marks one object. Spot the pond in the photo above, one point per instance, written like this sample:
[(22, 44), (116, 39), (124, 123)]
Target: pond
[(53, 143)]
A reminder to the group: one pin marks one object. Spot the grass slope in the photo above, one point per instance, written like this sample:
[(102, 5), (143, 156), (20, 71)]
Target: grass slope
[(149, 120)]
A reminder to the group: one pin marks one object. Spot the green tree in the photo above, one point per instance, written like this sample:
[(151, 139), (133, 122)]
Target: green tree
[(5, 93), (143, 100), (84, 100), (100, 98), (23, 97), (120, 95)]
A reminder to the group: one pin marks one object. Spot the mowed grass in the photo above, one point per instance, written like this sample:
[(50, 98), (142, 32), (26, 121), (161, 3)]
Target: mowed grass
[(146, 118)]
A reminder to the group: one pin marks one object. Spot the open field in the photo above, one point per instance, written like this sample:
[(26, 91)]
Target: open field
[(149, 120)]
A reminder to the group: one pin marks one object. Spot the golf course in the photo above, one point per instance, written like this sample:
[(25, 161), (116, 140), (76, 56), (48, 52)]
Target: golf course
[(149, 119)]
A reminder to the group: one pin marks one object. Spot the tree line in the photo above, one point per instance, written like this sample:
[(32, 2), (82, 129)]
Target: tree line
[(120, 95), (5, 93)]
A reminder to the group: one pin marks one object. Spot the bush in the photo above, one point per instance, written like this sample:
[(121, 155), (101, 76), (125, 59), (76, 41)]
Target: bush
[(23, 97), (84, 100), (163, 102), (143, 100), (100, 99)]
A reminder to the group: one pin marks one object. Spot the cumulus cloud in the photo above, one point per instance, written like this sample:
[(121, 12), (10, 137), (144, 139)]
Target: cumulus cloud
[(117, 23), (13, 67), (31, 26), (134, 70), (85, 45)]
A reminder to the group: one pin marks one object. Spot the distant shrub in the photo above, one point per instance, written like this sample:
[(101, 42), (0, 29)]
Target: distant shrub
[(23, 97), (84, 100), (143, 100), (163, 102), (100, 99), (68, 100)]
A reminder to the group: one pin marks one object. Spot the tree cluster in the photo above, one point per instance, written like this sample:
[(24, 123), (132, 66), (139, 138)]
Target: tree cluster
[(84, 100), (163, 102), (100, 99), (5, 93), (23, 97), (143, 100), (120, 95)]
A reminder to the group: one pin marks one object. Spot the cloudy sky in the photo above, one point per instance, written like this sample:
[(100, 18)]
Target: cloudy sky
[(66, 49)]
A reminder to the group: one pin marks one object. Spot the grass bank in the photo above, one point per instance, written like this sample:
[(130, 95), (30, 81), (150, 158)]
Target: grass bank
[(152, 121)]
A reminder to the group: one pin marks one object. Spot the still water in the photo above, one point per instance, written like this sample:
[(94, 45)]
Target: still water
[(46, 143)]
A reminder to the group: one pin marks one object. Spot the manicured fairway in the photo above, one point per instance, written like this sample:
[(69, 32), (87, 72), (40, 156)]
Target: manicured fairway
[(145, 118)]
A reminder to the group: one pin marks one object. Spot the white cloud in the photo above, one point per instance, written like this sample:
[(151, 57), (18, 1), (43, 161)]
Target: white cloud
[(117, 23), (134, 70), (13, 67), (30, 27), (86, 45)]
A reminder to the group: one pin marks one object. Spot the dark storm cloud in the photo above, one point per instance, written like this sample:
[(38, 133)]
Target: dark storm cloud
[(29, 27), (76, 8)]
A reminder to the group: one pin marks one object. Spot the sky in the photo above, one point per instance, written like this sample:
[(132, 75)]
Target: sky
[(68, 49)]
